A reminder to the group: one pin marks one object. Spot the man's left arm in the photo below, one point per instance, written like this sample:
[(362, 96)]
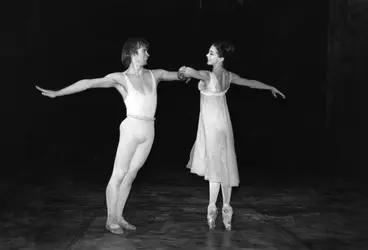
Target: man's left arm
[(164, 75)]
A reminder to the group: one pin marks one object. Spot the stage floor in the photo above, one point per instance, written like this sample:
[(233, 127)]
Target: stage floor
[(67, 214)]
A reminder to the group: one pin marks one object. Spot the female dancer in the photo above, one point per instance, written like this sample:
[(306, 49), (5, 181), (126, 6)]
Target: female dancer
[(213, 154)]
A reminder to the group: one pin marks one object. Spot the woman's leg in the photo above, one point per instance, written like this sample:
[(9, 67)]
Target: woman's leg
[(124, 154), (212, 209), (226, 195), (227, 210), (137, 162), (214, 191)]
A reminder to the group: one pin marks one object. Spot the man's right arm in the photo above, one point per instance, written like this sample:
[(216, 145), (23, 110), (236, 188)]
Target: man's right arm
[(79, 86), (82, 85)]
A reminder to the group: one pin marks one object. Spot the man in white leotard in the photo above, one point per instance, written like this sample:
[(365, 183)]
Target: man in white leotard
[(137, 86)]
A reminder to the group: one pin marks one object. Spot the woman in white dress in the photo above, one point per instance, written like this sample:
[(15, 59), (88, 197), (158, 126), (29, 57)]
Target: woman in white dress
[(213, 154)]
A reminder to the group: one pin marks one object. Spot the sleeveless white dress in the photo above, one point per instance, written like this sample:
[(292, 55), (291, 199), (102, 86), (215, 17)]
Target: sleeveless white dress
[(213, 153)]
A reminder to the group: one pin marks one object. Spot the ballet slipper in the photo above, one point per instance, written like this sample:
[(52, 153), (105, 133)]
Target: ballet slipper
[(227, 213), (211, 216), (114, 228), (126, 225)]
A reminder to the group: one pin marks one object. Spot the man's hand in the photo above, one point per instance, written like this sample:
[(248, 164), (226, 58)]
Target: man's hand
[(181, 74)]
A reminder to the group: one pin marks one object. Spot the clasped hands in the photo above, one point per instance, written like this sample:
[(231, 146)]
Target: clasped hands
[(181, 74)]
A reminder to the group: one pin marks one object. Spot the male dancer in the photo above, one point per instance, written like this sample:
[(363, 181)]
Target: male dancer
[(137, 86)]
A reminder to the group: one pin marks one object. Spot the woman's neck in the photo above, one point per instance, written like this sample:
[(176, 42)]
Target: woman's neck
[(217, 68)]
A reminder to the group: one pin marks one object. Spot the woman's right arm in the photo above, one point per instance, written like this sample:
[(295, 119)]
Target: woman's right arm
[(198, 74), (79, 86)]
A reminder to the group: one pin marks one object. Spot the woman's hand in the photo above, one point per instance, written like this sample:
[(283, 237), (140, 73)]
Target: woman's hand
[(275, 91), (181, 74), (49, 93)]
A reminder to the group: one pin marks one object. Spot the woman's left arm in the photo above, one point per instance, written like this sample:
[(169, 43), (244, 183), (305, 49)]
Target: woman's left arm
[(254, 84)]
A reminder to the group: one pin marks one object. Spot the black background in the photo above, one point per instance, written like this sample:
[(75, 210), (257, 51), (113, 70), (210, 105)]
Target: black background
[(53, 44)]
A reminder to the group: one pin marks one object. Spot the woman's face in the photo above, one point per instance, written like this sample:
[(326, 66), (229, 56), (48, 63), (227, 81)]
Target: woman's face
[(212, 56)]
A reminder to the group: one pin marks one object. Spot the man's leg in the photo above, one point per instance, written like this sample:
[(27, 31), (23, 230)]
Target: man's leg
[(137, 162), (124, 154)]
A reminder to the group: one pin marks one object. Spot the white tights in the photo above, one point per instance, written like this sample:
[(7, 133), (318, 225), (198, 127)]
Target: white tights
[(214, 191)]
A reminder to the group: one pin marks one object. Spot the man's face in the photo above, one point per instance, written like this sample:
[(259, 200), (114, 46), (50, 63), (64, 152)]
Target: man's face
[(141, 56)]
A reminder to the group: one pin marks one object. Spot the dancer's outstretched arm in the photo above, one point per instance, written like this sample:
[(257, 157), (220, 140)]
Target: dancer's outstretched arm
[(192, 73), (164, 75), (79, 86), (255, 84)]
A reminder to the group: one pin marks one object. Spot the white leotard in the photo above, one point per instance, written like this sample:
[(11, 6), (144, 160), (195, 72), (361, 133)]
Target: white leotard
[(138, 105)]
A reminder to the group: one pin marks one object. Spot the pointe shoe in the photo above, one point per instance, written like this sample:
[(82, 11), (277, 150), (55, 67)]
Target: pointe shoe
[(126, 225), (114, 228), (211, 216), (227, 214)]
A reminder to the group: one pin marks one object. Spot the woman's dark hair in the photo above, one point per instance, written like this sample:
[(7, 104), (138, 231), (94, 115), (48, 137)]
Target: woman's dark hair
[(224, 49), (131, 47)]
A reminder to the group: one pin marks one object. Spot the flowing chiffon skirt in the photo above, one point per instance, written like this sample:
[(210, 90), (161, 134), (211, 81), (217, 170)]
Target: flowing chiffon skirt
[(213, 153)]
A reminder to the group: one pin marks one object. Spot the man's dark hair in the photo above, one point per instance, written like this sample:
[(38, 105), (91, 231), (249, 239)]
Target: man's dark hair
[(131, 47)]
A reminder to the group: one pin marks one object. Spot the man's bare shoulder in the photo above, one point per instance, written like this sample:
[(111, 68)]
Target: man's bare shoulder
[(154, 71), (116, 76), (157, 73)]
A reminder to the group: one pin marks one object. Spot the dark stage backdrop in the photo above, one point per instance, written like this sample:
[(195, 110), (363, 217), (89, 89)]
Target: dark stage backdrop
[(53, 44)]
